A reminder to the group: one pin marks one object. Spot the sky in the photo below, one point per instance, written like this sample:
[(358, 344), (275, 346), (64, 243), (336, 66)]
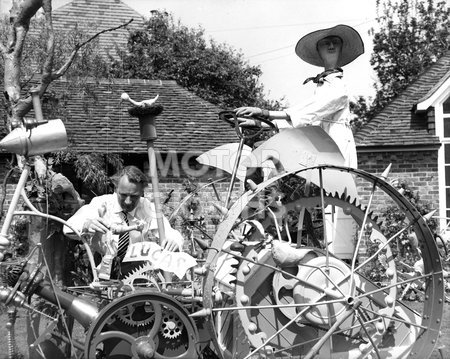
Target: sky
[(266, 32)]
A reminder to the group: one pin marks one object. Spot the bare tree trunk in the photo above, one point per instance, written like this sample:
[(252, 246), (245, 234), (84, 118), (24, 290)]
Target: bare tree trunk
[(20, 16)]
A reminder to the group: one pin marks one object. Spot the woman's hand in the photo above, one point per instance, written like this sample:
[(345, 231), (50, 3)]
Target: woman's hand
[(248, 111), (250, 122), (250, 116)]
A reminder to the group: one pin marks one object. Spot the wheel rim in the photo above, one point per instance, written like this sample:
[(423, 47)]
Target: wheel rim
[(162, 326), (288, 312)]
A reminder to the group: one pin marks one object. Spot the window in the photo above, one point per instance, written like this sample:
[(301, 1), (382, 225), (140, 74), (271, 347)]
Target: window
[(446, 146)]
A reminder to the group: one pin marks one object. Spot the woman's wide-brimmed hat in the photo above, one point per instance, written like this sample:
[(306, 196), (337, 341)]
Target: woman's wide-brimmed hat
[(352, 45)]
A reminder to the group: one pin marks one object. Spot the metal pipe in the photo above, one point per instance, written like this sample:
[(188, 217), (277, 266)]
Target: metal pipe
[(233, 174), (4, 242)]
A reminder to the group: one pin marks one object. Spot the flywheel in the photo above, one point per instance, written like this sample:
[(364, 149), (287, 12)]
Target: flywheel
[(303, 267)]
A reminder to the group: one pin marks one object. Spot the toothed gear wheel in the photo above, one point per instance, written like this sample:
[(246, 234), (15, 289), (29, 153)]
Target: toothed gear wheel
[(136, 316), (335, 290), (171, 326), (284, 288), (142, 277), (109, 337)]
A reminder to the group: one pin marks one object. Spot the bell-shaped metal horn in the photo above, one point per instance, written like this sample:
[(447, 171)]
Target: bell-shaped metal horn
[(44, 138)]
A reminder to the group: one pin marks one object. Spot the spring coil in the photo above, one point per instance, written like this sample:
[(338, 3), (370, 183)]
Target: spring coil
[(11, 339)]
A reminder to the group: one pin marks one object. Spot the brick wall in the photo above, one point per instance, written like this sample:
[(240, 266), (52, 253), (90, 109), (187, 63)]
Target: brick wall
[(206, 194), (418, 168), (172, 192)]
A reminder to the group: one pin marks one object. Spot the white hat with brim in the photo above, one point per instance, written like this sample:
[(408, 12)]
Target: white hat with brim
[(352, 45)]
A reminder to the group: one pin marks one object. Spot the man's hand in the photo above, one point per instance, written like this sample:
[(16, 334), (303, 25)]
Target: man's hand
[(173, 243), (96, 225)]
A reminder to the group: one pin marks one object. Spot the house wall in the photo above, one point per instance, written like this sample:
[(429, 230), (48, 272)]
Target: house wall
[(206, 196), (173, 189), (178, 177), (419, 169)]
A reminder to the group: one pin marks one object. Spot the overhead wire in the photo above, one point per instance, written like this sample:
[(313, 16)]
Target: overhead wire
[(290, 46), (280, 25)]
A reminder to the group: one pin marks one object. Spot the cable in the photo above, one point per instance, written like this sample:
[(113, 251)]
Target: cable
[(282, 25), (292, 45)]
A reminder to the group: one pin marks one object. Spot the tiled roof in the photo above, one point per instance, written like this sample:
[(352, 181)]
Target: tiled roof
[(98, 15), (398, 125), (97, 122), (100, 123)]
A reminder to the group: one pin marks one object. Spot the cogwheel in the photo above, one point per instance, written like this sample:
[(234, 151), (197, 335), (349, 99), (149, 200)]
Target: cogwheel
[(172, 326), (144, 276), (348, 205), (136, 316)]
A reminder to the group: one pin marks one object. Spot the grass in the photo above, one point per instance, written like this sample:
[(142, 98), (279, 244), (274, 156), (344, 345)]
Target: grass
[(20, 329)]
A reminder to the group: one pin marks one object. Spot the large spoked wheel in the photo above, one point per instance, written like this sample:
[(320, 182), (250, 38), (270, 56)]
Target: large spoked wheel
[(300, 269), (142, 325)]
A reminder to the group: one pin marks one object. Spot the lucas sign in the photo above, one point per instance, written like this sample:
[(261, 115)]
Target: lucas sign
[(175, 262)]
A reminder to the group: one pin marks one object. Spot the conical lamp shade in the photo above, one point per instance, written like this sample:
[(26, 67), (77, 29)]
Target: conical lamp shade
[(48, 137)]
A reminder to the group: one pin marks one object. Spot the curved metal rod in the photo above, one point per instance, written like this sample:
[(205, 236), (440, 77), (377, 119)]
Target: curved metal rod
[(187, 197), (60, 220)]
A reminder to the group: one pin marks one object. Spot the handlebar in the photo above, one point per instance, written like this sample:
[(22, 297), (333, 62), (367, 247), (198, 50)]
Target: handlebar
[(231, 118)]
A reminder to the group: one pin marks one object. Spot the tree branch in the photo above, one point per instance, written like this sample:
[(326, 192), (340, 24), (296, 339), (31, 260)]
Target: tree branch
[(20, 15), (48, 64), (48, 76), (65, 67)]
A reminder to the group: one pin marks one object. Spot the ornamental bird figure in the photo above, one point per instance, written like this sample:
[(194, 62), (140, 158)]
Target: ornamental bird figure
[(142, 104), (284, 255)]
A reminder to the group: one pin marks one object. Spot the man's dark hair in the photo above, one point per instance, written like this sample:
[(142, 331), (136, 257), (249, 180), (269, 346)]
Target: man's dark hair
[(134, 175)]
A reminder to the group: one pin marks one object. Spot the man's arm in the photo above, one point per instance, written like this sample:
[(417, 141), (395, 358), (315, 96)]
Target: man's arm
[(88, 219), (174, 239)]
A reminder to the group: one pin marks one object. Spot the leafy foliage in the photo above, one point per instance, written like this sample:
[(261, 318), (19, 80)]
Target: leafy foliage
[(362, 111), (92, 168), (410, 36), (413, 35), (394, 221), (406, 245), (88, 64), (165, 49)]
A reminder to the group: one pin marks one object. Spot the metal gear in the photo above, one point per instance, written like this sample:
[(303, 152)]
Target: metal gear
[(108, 337), (328, 304), (171, 326), (284, 288), (144, 276), (136, 316)]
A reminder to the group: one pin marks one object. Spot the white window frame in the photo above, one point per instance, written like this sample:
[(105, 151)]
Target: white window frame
[(439, 126)]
